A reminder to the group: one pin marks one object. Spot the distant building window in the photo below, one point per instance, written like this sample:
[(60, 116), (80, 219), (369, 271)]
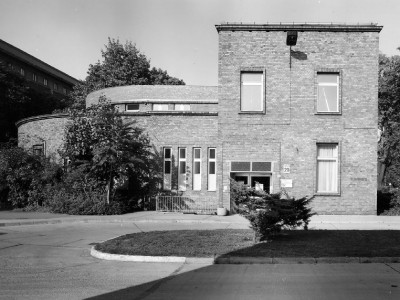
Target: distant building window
[(55, 87), (212, 174), (328, 92), (327, 168), (160, 106), (182, 169), (182, 106), (167, 168), (64, 90), (34, 77), (22, 71), (38, 149), (251, 93), (197, 169), (45, 81), (132, 107)]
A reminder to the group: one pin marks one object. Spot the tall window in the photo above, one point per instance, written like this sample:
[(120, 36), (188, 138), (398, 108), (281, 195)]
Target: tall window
[(327, 168), (45, 81), (55, 87), (182, 169), (22, 72), (328, 92), (182, 106), (251, 97), (197, 169), (212, 174), (167, 168), (34, 77), (160, 106)]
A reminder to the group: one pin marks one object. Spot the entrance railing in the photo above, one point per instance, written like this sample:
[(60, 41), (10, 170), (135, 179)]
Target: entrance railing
[(185, 204)]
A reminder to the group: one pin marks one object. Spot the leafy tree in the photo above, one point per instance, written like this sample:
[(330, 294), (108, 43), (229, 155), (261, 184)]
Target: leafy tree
[(121, 65), (110, 150), (389, 120)]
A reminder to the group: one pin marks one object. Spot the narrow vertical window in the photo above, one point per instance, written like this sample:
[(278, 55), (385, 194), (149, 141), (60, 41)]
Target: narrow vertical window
[(22, 71), (182, 169), (251, 93), (212, 174), (167, 168), (328, 92), (327, 168), (44, 81), (197, 169), (55, 87), (34, 77)]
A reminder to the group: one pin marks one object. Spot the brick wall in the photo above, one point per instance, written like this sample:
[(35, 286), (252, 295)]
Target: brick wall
[(289, 130)]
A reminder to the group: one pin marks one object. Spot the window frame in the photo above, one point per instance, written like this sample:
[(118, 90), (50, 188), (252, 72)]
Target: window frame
[(34, 77), (197, 176), (167, 177), (337, 192), (22, 71), (256, 70), (329, 71), (41, 147), (181, 105), (161, 104), (212, 178), (45, 82), (182, 180), (132, 110)]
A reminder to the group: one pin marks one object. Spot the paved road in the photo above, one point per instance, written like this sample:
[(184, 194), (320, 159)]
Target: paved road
[(53, 262)]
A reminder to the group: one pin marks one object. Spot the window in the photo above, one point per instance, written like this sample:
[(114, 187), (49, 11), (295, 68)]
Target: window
[(22, 71), (132, 107), (167, 168), (251, 97), (64, 90), (197, 169), (38, 149), (182, 106), (45, 81), (34, 77), (328, 92), (327, 168), (182, 169), (212, 174), (55, 87), (160, 106)]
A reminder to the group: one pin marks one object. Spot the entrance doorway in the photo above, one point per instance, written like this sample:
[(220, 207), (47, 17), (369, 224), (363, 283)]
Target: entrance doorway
[(257, 181)]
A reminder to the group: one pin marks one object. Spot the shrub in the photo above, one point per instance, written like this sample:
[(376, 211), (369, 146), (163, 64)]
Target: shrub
[(389, 202), (270, 213)]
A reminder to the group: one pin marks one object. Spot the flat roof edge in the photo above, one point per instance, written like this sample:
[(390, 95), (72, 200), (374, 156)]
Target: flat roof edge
[(327, 27), (41, 117)]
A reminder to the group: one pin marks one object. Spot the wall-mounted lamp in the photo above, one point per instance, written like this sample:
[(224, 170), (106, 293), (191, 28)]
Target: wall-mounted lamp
[(291, 40)]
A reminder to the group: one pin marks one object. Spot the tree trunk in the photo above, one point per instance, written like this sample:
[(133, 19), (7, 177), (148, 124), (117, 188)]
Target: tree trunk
[(109, 188), (381, 174)]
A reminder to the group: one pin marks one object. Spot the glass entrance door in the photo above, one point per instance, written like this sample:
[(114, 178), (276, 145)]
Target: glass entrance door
[(260, 183)]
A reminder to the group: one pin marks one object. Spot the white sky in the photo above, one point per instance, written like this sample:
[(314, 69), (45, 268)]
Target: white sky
[(176, 35)]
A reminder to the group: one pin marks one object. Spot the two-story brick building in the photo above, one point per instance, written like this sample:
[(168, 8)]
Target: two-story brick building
[(295, 108)]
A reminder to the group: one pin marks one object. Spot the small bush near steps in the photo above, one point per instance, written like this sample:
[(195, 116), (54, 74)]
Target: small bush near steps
[(270, 213)]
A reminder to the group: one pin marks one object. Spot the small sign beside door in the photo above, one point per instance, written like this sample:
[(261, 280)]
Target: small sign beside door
[(286, 168), (286, 183)]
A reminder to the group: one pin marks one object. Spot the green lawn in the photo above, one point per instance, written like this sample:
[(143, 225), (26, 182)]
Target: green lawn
[(295, 243)]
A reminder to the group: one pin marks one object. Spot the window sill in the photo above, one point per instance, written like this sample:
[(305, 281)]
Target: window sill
[(252, 113), (337, 194), (328, 113)]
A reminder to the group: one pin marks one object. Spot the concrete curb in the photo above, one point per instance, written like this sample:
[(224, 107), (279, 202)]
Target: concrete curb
[(243, 260), (58, 221)]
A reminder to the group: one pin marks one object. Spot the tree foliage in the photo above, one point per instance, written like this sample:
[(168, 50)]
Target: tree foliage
[(113, 152), (389, 120), (121, 65)]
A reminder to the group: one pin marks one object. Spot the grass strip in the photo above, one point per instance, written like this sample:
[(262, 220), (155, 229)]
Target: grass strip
[(229, 242)]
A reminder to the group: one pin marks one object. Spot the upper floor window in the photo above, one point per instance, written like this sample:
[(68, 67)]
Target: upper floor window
[(45, 81), (328, 93), (55, 87), (182, 106), (22, 71), (34, 77), (64, 90), (251, 92), (38, 149), (160, 106), (132, 107)]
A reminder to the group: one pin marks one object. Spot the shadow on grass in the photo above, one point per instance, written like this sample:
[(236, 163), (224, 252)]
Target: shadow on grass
[(326, 243)]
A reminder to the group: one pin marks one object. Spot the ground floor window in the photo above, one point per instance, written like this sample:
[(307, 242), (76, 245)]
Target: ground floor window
[(38, 149), (167, 169), (212, 174), (261, 182), (197, 169), (327, 168), (182, 169)]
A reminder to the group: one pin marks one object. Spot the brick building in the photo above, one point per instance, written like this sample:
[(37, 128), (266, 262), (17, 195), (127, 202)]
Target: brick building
[(39, 74), (295, 108)]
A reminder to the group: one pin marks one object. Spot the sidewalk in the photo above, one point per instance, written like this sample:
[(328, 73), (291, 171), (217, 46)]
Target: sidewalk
[(318, 222)]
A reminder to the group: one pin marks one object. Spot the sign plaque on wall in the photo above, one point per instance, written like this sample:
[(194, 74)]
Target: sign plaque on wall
[(286, 168), (286, 183)]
